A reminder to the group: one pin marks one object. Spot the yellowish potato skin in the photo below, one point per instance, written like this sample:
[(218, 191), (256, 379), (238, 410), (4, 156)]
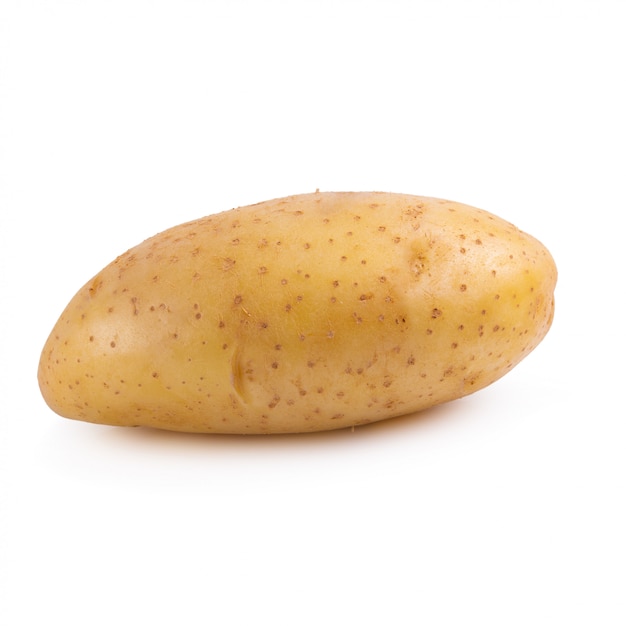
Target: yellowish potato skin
[(312, 312)]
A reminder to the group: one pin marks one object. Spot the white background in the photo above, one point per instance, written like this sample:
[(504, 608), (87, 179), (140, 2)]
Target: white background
[(119, 119)]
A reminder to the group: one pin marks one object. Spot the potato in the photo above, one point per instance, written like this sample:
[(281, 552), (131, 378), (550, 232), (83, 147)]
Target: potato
[(312, 312)]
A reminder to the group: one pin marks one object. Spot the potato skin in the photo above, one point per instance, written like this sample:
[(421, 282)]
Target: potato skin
[(312, 312)]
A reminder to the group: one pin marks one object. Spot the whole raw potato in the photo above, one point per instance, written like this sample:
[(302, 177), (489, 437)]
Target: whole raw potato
[(306, 313)]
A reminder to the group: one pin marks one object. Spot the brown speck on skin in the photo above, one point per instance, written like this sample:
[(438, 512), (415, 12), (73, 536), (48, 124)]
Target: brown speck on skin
[(91, 338), (463, 287), (238, 299), (155, 374), (436, 313), (228, 264), (112, 344), (262, 269)]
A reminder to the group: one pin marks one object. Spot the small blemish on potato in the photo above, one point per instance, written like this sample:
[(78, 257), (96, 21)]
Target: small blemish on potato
[(435, 313)]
